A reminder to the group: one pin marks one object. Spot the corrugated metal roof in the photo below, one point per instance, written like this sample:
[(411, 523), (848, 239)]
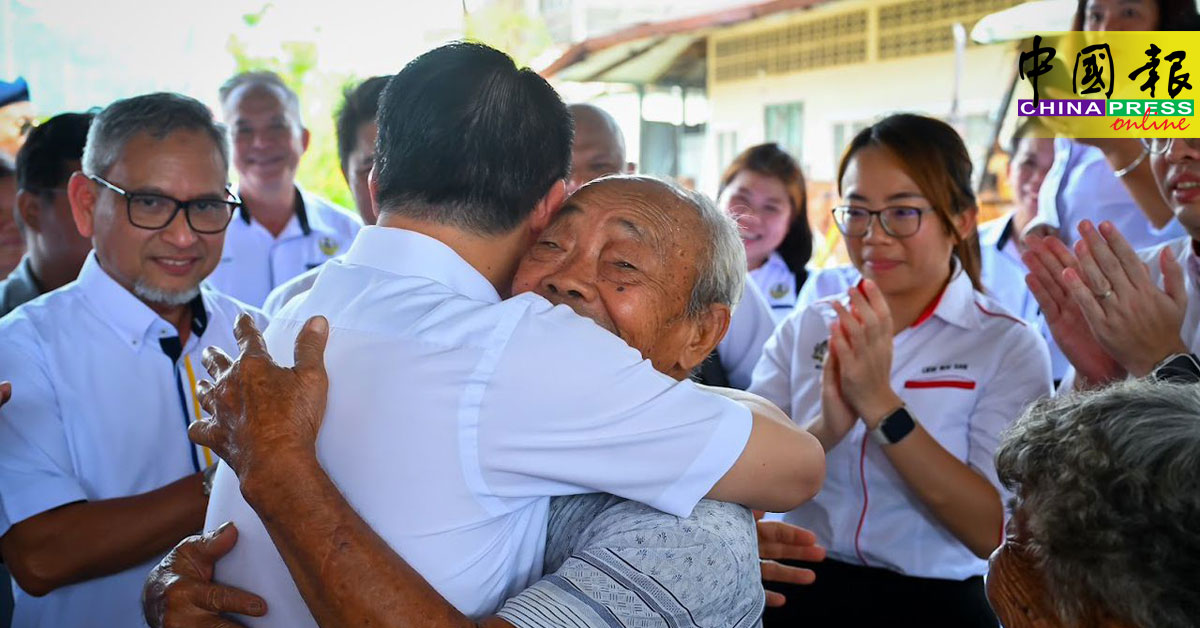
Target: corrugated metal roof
[(663, 53)]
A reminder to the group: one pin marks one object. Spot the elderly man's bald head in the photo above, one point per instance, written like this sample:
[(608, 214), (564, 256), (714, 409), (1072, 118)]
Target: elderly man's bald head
[(598, 148), (655, 264)]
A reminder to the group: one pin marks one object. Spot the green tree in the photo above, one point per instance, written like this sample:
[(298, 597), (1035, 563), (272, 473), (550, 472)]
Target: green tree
[(504, 25), (296, 63)]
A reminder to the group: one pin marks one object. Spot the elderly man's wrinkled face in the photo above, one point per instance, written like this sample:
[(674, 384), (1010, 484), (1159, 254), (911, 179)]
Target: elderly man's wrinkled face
[(161, 266), (625, 254)]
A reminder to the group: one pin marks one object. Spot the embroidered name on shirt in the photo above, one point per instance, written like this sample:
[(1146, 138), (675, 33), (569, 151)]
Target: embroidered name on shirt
[(958, 366)]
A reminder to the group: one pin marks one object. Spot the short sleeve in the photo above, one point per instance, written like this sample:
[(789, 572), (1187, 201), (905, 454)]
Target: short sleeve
[(789, 373), (36, 472), (749, 329), (675, 573), (570, 408), (1022, 377)]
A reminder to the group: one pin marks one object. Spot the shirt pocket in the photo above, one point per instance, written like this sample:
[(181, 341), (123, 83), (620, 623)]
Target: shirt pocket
[(943, 405)]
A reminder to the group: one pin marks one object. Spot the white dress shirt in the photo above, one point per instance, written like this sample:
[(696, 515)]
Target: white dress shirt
[(751, 324), (99, 411), (749, 327), (453, 416), (777, 283), (255, 262), (966, 370), (1081, 186)]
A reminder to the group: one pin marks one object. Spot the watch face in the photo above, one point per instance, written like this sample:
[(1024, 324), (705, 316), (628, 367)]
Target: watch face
[(897, 425)]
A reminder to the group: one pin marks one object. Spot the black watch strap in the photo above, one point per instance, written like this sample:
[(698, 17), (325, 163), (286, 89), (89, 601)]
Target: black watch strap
[(894, 427), (1181, 368)]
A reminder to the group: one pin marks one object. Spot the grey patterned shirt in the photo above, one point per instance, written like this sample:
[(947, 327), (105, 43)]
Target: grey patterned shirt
[(615, 563)]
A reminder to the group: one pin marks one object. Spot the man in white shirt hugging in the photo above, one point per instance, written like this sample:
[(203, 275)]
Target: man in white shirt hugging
[(453, 414)]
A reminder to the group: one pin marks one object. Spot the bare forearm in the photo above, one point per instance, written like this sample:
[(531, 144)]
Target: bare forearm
[(962, 499), (1140, 181), (347, 574), (60, 547)]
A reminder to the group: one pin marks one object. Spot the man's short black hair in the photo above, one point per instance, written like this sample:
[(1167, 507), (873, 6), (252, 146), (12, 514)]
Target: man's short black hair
[(467, 139), (359, 105), (44, 161)]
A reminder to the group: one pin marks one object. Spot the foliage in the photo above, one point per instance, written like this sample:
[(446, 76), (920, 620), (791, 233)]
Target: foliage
[(504, 25), (320, 170)]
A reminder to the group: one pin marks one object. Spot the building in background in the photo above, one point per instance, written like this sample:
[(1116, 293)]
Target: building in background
[(807, 74)]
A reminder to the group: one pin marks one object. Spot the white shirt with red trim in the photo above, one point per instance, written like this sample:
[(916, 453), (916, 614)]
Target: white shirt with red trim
[(965, 370)]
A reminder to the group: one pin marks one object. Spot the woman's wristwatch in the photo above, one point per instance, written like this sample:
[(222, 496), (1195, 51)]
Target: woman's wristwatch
[(894, 427), (1178, 368)]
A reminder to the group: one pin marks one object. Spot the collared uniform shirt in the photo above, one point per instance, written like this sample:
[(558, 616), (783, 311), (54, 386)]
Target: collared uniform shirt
[(751, 324), (1081, 186), (777, 283), (966, 370), (99, 411), (254, 262), (289, 290), (614, 563), (453, 416), (18, 288), (1003, 274)]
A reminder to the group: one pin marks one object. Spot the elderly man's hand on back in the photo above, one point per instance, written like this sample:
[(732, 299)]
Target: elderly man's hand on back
[(263, 413)]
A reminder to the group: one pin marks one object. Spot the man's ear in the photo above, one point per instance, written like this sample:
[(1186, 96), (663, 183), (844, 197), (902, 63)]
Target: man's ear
[(28, 208), (709, 328), (304, 137), (548, 206), (82, 195)]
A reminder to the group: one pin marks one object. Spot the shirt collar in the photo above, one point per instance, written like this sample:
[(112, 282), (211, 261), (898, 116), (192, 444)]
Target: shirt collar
[(997, 235), (304, 220), (133, 320), (412, 254), (956, 303)]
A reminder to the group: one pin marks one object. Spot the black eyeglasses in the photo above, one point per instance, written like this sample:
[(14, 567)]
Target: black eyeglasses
[(1161, 145), (155, 211), (898, 222)]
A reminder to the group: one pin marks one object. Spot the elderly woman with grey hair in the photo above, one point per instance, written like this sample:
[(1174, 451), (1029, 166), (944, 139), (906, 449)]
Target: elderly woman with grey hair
[(1106, 523)]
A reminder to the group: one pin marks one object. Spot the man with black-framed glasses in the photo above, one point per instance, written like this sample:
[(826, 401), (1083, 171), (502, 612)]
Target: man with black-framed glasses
[(105, 370)]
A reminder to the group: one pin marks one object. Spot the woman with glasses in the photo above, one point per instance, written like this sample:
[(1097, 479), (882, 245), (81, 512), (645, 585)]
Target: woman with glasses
[(763, 189), (907, 380)]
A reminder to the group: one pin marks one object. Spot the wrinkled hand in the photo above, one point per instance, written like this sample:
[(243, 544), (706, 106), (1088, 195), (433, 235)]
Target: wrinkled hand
[(1132, 319), (180, 592), (863, 342), (1047, 259), (5, 393), (259, 411), (782, 541)]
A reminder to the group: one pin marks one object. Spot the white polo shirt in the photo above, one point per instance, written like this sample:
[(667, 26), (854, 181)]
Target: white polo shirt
[(453, 416), (750, 326), (98, 411), (255, 262), (966, 370), (777, 283)]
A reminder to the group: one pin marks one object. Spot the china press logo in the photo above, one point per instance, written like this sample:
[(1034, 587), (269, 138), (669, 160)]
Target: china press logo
[(1127, 86)]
